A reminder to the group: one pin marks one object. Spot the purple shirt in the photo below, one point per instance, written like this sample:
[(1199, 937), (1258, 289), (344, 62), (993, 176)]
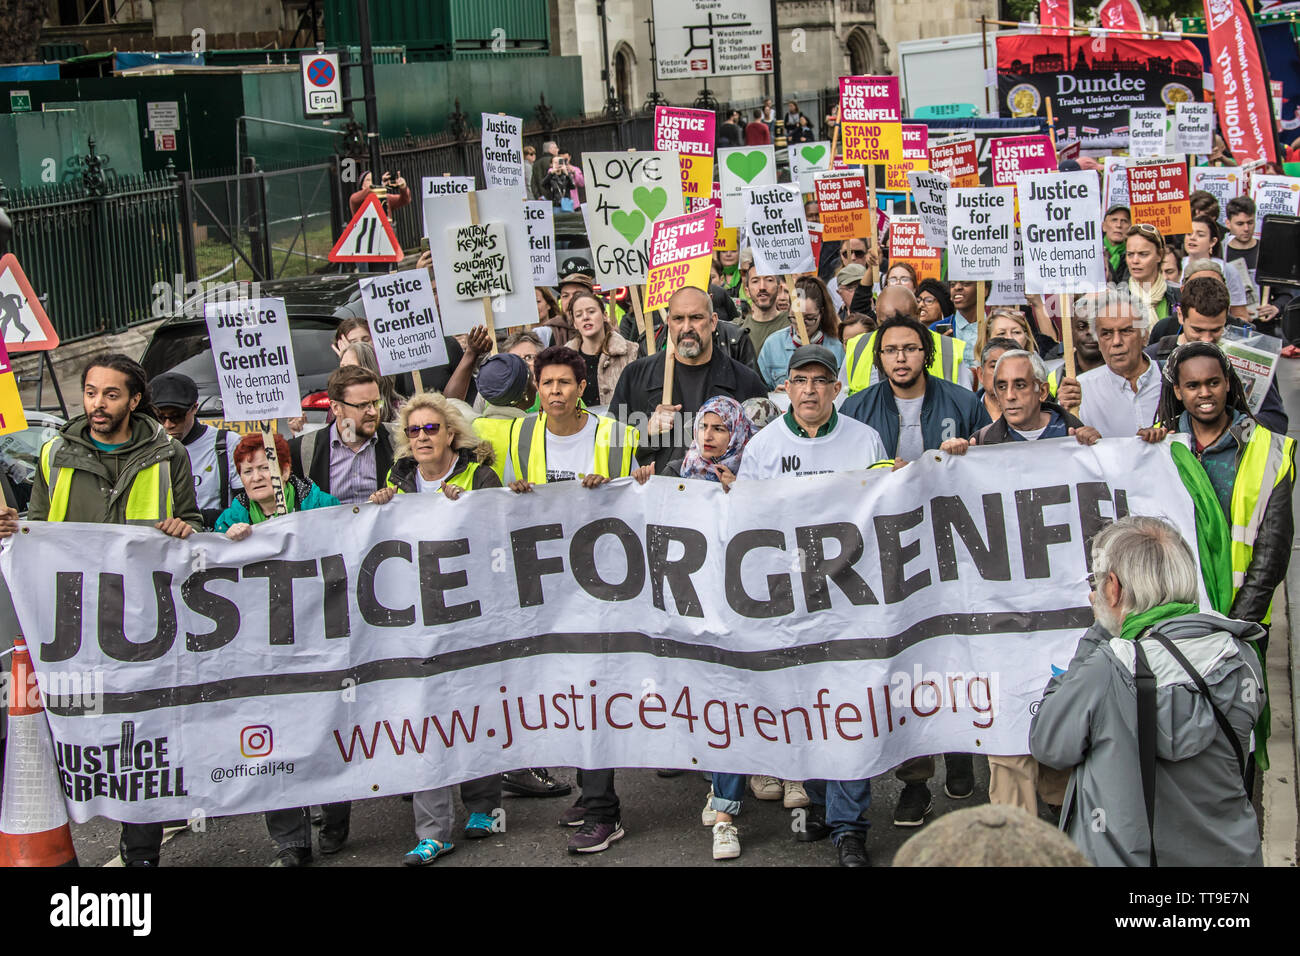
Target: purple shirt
[(352, 474)]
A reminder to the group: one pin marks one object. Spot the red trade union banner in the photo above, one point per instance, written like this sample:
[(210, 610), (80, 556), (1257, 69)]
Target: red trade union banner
[(1055, 13), (1157, 194), (871, 118), (916, 156), (1240, 89), (1120, 15), (1093, 83), (1013, 155), (842, 204), (907, 244), (958, 159)]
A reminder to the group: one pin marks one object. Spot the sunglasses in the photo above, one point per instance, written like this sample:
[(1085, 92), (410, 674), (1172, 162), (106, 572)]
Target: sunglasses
[(432, 428)]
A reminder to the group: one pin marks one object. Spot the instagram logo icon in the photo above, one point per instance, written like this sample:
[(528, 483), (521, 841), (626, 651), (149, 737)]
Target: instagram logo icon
[(255, 740)]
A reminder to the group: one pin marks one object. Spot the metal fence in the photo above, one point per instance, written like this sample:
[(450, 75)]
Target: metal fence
[(259, 224), (95, 252), (97, 249)]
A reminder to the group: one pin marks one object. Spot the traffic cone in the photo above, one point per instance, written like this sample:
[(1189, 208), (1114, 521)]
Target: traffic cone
[(34, 827)]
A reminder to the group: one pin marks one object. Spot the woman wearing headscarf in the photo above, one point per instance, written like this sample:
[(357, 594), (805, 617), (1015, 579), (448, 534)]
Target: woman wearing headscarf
[(721, 433)]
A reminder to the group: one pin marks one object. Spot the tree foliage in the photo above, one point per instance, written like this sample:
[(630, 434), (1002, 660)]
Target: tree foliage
[(1085, 9), (20, 29)]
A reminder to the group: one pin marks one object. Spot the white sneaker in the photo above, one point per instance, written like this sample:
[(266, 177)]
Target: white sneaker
[(795, 795), (709, 816), (726, 841), (766, 788)]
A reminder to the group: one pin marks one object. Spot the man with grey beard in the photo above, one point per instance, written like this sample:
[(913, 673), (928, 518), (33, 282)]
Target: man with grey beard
[(700, 372)]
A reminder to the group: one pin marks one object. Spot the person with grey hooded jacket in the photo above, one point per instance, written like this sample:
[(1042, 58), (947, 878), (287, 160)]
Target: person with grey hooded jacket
[(1145, 591)]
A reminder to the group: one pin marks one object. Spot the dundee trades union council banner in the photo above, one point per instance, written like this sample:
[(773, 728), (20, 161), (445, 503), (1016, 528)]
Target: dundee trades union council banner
[(825, 626), (1094, 82)]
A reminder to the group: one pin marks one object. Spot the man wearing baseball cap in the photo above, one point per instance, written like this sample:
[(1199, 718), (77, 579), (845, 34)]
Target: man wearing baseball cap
[(210, 449), (813, 438), (1114, 239)]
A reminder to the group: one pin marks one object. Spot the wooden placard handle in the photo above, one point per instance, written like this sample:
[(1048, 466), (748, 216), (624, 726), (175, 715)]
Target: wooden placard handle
[(670, 362), (795, 312), (488, 319), (277, 483)]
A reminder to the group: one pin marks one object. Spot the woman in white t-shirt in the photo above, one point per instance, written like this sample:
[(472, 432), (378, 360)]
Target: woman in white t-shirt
[(1205, 241)]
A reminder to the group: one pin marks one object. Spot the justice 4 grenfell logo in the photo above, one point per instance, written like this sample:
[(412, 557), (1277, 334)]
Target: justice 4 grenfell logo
[(127, 769)]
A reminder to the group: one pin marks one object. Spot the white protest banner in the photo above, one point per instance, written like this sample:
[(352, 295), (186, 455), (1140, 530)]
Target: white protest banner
[(503, 153), (741, 167), (777, 230), (981, 223), (1115, 181), (1146, 131), (404, 325), (471, 635), (1010, 291), (1193, 127), (499, 206), (626, 193), (1274, 196), (254, 356), (1222, 182), (432, 187), (1060, 223), (930, 195), (540, 218), (805, 160)]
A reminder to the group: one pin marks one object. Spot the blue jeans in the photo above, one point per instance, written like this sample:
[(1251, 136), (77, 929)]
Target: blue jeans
[(846, 803), (728, 788)]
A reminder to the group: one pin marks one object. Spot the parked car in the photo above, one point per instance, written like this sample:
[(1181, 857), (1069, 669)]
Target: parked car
[(314, 304), (20, 453)]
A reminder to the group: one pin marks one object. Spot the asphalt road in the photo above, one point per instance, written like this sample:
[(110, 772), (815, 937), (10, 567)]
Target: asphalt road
[(661, 817)]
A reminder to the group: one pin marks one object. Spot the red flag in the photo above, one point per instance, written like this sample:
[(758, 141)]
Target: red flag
[(1241, 87), (1120, 15), (1055, 13)]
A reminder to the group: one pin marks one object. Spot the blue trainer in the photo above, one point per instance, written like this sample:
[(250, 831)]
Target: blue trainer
[(479, 826), (426, 851)]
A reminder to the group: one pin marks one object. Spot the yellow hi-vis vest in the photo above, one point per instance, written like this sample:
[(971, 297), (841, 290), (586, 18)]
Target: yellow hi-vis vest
[(497, 432), (1269, 457), (611, 455), (148, 502), (463, 479), (860, 371)]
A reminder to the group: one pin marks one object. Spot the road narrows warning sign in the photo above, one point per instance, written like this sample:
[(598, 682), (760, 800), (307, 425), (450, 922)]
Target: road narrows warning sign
[(369, 237), (24, 326)]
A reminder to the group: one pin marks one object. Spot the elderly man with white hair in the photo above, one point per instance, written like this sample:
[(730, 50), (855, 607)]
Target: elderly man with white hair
[(1155, 713), (1120, 397)]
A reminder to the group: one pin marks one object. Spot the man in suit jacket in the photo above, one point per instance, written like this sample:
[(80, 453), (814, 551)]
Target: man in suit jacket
[(349, 459)]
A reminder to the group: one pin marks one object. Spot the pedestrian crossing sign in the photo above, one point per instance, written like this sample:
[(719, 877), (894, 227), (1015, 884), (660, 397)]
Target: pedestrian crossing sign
[(369, 237), (24, 326)]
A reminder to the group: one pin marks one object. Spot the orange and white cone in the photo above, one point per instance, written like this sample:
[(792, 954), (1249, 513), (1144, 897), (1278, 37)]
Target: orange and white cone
[(34, 827)]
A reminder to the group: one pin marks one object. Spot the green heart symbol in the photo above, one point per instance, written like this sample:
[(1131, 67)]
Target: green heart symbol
[(628, 224), (747, 165), (650, 201), (813, 154)]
